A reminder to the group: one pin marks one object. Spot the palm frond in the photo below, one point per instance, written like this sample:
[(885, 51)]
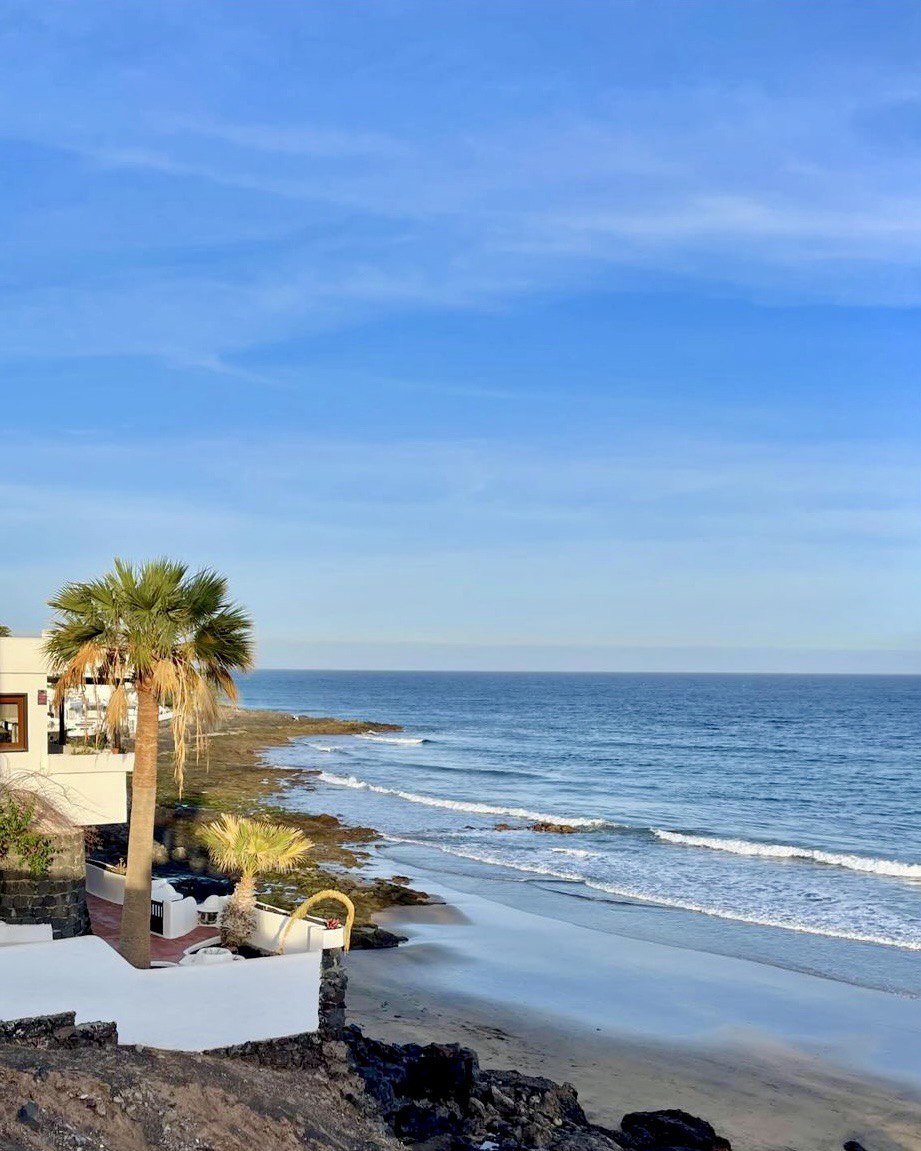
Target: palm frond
[(254, 846), (177, 634)]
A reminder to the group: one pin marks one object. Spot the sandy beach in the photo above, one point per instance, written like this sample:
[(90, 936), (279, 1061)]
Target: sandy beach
[(774, 1059)]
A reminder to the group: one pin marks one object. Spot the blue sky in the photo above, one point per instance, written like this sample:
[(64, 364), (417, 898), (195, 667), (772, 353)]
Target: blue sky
[(507, 334)]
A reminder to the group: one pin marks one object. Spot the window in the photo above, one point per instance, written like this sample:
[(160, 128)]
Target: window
[(13, 723)]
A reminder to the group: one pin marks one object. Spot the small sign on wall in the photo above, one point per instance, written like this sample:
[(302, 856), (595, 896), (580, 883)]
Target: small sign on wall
[(43, 697)]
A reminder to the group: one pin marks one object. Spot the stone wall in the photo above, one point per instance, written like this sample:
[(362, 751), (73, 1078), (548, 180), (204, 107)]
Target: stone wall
[(46, 1031), (333, 986), (58, 897)]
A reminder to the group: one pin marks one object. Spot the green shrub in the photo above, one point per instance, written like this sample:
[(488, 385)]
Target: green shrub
[(90, 744), (19, 835)]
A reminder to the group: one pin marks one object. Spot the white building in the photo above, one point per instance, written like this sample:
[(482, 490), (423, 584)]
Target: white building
[(85, 785), (201, 997)]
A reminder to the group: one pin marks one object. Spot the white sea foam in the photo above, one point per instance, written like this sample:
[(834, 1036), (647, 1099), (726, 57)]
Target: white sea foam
[(783, 851), (402, 740), (576, 852), (665, 901), (324, 747), (455, 805)]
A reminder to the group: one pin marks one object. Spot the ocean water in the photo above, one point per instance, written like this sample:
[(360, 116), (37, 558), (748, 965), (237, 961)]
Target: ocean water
[(775, 816)]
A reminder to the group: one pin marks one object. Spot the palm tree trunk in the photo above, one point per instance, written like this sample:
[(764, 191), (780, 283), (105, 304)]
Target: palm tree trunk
[(135, 929), (239, 917), (244, 894)]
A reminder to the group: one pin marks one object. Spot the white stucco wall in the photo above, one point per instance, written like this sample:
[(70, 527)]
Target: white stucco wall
[(86, 789), (175, 1008), (105, 884), (23, 672), (89, 789), (305, 934)]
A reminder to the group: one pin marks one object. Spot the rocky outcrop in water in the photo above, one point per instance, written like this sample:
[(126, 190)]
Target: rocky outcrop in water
[(542, 825), (553, 828)]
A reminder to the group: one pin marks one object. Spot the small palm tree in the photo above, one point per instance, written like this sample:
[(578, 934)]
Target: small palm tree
[(251, 847), (178, 638), (4, 630)]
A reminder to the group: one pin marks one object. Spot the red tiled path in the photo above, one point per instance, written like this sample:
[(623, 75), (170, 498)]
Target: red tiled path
[(106, 920)]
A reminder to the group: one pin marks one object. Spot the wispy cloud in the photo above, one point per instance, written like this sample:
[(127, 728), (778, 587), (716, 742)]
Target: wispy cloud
[(790, 194), (309, 141), (374, 320), (666, 540), (656, 488)]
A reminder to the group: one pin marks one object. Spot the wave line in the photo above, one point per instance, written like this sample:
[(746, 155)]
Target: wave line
[(664, 901), (457, 805), (846, 860)]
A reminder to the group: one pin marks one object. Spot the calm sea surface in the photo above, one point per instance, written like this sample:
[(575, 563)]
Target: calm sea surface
[(788, 803)]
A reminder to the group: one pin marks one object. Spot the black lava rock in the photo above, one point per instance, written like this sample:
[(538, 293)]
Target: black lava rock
[(437, 1096), (28, 1114), (669, 1131), (370, 937)]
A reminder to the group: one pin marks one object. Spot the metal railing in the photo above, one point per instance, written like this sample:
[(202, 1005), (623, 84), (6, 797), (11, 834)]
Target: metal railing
[(156, 916)]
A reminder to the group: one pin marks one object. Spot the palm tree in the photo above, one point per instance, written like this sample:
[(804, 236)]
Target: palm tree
[(4, 631), (178, 638), (250, 847)]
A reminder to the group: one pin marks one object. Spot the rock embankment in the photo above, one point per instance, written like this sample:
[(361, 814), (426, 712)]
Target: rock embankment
[(438, 1097), (70, 1088)]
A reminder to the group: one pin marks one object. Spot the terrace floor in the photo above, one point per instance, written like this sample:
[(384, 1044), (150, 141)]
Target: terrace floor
[(106, 920)]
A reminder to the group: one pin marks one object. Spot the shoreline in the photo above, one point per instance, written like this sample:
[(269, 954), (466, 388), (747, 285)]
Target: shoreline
[(234, 776), (763, 1095)]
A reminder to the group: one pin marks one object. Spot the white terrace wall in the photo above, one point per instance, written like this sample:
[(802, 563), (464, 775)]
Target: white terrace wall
[(306, 934), (105, 884), (89, 789), (180, 916), (175, 1008)]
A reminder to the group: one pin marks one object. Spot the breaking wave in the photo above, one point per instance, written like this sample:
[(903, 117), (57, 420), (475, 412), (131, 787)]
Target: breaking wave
[(628, 892), (402, 740), (457, 805), (784, 851)]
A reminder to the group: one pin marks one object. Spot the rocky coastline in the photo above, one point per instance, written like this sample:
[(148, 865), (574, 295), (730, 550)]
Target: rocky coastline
[(69, 1086), (434, 1097), (233, 774), (65, 1087)]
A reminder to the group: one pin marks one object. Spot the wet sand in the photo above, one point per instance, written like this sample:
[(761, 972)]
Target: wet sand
[(753, 1049)]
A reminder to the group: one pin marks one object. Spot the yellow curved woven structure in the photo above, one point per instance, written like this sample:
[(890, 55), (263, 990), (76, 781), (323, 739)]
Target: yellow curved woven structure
[(321, 897)]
